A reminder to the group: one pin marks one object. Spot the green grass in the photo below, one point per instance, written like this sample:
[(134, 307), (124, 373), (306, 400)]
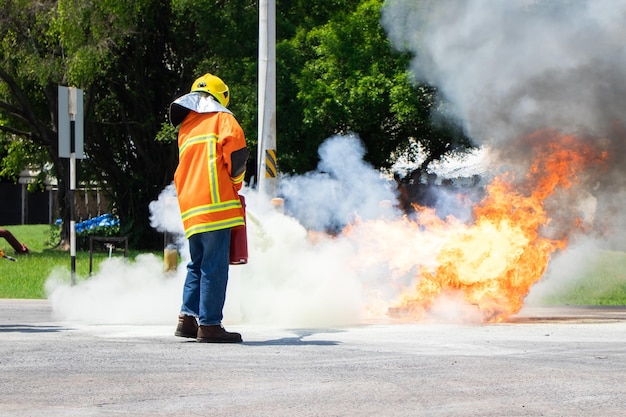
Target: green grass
[(603, 282), (26, 277)]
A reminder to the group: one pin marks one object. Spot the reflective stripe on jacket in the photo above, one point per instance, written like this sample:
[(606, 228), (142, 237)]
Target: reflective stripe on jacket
[(207, 193)]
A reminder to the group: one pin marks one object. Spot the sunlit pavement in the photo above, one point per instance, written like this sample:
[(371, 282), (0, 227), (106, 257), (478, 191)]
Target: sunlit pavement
[(545, 362)]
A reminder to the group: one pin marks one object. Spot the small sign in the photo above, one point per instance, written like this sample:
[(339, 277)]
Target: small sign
[(71, 127)]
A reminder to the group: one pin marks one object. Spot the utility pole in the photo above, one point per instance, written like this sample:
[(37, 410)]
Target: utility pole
[(267, 166), (70, 130)]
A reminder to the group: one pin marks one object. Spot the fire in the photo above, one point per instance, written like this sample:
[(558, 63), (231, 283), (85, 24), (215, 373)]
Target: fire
[(493, 262)]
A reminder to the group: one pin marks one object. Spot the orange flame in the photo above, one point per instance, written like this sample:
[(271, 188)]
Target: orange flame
[(494, 262)]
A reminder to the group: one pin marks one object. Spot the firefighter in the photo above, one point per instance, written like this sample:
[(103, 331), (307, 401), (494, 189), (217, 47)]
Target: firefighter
[(212, 162)]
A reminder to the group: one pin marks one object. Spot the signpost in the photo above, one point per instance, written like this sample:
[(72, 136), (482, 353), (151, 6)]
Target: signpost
[(71, 140)]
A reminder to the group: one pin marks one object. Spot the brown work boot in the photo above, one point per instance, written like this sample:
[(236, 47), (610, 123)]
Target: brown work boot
[(217, 334), (187, 326)]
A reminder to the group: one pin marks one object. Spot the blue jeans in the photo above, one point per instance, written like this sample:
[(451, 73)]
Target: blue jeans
[(204, 292)]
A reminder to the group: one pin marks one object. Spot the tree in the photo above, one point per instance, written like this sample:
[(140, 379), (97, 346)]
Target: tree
[(29, 72), (128, 104), (49, 43), (346, 76)]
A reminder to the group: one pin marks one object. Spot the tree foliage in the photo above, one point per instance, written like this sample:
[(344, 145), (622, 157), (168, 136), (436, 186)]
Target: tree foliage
[(345, 77), (336, 73), (30, 70)]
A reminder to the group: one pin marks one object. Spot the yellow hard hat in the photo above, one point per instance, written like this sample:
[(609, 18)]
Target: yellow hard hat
[(213, 85)]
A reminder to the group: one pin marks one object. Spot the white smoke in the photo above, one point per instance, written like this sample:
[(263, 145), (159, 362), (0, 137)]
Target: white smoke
[(165, 213), (294, 277), (511, 67), (120, 292), (342, 188)]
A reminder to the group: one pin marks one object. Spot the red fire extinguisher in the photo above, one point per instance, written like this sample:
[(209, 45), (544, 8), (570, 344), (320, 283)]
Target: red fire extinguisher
[(239, 240)]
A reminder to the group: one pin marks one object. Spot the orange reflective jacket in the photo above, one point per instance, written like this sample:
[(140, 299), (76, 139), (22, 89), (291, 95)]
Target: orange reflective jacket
[(207, 179)]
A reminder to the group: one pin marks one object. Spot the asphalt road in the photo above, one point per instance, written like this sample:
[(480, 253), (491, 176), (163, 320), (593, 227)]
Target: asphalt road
[(545, 362)]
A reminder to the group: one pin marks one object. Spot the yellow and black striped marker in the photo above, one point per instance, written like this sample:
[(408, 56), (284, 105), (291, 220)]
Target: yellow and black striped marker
[(270, 163)]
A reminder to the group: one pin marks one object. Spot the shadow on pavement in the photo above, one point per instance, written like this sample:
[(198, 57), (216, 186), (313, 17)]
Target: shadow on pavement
[(297, 340), (292, 341), (29, 328)]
